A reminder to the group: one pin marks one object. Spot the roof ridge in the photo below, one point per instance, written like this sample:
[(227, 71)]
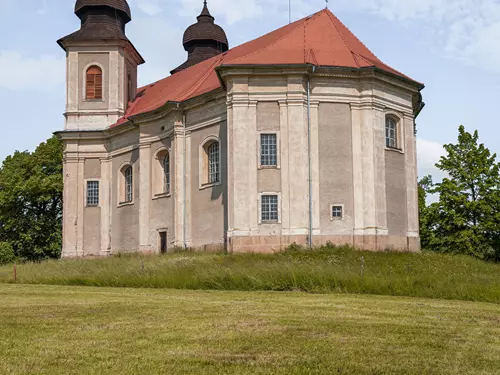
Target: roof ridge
[(298, 23), (330, 15)]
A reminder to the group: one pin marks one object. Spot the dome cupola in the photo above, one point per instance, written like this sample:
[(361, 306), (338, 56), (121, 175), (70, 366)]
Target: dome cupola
[(203, 40)]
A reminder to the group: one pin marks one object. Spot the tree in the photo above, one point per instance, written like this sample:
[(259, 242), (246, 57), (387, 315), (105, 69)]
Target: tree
[(31, 186), (425, 186), (466, 219)]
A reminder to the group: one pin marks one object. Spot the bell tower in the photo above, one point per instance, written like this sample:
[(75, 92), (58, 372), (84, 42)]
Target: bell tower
[(102, 65)]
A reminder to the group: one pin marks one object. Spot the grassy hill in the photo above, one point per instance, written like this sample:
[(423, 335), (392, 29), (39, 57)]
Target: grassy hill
[(83, 330), (325, 270)]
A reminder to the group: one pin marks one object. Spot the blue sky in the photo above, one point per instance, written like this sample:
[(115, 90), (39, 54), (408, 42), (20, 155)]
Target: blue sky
[(453, 46)]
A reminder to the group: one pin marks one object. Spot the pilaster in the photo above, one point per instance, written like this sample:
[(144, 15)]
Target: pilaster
[(240, 151), (70, 208), (411, 178), (357, 169), (80, 206), (144, 195), (179, 193), (315, 166), (105, 203), (285, 167), (367, 122), (298, 156), (188, 183)]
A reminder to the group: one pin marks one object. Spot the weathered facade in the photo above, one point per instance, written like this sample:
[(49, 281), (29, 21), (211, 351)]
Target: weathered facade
[(241, 151)]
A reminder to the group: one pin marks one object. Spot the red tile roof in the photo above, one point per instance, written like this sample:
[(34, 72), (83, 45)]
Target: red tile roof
[(320, 39)]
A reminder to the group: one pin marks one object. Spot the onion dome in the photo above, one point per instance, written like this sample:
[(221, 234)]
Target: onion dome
[(203, 40), (119, 5), (100, 20)]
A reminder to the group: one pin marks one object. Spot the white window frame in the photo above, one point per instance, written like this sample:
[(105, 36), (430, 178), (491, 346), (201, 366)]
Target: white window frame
[(86, 182), (261, 222), (121, 185), (278, 150), (400, 131), (203, 163), (158, 174), (335, 218)]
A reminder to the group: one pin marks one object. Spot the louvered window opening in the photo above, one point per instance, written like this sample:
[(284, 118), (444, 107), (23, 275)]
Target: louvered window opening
[(94, 83)]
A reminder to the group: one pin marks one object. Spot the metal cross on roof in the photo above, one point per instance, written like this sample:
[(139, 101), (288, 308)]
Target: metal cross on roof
[(326, 1)]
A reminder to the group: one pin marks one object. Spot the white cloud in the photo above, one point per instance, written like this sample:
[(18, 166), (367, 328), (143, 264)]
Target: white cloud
[(429, 153), (150, 7), (19, 72), (465, 30)]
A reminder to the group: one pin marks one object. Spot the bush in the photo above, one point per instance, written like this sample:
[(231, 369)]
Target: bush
[(6, 253)]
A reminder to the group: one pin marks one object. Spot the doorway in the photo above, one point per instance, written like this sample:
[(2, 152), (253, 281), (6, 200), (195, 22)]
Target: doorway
[(163, 241)]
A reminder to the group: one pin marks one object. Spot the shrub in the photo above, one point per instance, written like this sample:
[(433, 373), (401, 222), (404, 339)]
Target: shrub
[(6, 253)]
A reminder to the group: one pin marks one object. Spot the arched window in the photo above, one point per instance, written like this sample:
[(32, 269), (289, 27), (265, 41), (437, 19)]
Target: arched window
[(93, 85), (129, 182), (213, 163), (391, 132), (166, 174)]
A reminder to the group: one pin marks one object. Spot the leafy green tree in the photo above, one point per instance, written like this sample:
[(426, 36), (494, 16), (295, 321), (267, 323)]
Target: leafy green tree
[(31, 186), (466, 219), (6, 253), (425, 186)]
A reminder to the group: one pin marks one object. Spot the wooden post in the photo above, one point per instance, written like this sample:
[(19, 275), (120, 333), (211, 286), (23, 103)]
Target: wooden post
[(15, 273)]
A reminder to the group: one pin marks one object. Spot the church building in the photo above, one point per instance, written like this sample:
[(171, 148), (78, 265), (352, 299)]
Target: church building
[(300, 136)]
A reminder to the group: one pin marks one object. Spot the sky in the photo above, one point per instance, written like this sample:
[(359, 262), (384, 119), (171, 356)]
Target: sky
[(452, 46)]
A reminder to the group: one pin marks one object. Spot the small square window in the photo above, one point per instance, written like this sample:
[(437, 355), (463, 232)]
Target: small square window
[(337, 212), (268, 150), (269, 208), (92, 193)]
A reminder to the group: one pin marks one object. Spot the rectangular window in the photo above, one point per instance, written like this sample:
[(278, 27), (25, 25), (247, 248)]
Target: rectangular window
[(269, 208), (268, 150), (92, 193), (337, 212)]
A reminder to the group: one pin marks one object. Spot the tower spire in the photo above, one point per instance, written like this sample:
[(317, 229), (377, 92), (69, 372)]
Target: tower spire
[(203, 40)]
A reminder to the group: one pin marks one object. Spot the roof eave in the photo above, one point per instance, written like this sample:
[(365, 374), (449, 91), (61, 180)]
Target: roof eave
[(221, 68)]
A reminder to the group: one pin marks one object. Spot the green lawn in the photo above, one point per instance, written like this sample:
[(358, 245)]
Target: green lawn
[(86, 330)]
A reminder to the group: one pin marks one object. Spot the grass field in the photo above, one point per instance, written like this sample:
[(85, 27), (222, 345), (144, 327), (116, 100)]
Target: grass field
[(86, 330), (327, 270)]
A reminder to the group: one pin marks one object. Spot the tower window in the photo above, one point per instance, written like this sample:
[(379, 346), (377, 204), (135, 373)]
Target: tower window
[(93, 83)]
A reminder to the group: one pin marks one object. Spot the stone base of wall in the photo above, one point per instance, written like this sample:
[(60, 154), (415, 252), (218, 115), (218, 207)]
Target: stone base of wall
[(270, 244)]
